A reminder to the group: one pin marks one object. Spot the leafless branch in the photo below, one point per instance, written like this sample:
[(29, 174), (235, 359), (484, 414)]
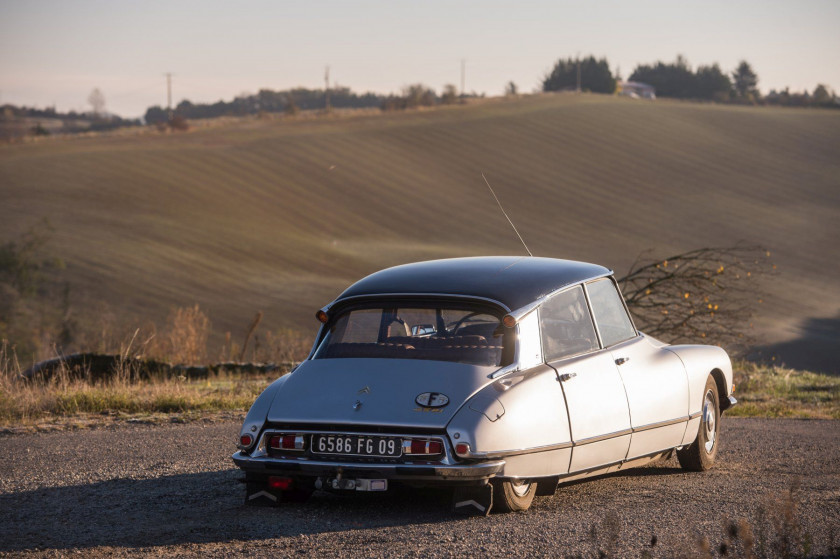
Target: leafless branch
[(707, 294)]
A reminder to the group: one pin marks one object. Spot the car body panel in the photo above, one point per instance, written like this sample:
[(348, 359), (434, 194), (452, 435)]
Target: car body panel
[(255, 419), (699, 362), (519, 429), (326, 391), (656, 385), (597, 406)]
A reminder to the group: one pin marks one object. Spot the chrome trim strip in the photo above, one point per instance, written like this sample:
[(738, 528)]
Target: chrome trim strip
[(582, 442), (522, 311), (417, 295), (658, 424), (533, 449), (498, 453), (512, 368), (695, 415), (261, 448), (600, 438), (367, 434), (474, 471)]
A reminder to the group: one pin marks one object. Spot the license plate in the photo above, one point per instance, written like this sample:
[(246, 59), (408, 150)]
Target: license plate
[(357, 445)]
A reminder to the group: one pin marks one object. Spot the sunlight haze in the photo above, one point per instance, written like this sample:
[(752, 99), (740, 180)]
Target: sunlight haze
[(55, 53)]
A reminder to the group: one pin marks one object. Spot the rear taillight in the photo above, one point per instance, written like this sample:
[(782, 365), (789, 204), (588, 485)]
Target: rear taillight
[(279, 483), (245, 441), (286, 441), (462, 449), (420, 447)]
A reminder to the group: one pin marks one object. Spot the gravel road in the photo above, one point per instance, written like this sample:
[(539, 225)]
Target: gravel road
[(172, 491)]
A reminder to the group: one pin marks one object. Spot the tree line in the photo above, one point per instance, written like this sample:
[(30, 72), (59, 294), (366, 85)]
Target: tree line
[(287, 101), (675, 79), (70, 122), (293, 100), (678, 80)]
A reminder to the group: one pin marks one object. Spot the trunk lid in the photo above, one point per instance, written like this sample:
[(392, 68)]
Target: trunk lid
[(325, 391)]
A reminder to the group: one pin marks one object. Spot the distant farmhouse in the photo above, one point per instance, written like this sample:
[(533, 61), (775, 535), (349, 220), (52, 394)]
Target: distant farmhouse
[(636, 90)]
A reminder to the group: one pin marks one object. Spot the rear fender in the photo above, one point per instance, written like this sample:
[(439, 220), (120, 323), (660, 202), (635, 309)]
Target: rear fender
[(255, 419), (700, 361), (520, 413)]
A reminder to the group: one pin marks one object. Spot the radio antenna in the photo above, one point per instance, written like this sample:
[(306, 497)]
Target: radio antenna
[(506, 215)]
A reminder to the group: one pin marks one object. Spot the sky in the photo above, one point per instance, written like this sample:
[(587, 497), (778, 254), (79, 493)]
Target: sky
[(54, 52)]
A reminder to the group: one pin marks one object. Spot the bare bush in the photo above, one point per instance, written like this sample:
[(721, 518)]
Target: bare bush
[(708, 293), (186, 334), (777, 532), (285, 346)]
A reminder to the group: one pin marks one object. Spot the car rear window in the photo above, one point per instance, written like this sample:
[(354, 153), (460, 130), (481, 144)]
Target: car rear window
[(437, 332)]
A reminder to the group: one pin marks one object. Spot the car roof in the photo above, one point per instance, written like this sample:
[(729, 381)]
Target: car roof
[(513, 281)]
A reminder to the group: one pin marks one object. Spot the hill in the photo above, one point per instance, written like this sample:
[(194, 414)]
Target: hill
[(281, 215)]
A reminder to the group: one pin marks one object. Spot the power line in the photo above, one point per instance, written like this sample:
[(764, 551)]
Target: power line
[(327, 89), (169, 94)]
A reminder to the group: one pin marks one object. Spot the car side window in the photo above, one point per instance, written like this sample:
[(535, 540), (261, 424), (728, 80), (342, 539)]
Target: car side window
[(611, 317), (566, 325)]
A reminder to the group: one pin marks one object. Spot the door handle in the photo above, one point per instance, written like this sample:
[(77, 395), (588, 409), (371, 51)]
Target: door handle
[(622, 360), (567, 376)]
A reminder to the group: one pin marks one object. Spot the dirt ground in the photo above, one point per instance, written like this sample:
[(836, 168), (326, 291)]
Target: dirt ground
[(172, 490)]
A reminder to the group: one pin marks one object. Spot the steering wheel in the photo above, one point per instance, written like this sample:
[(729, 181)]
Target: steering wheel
[(464, 319)]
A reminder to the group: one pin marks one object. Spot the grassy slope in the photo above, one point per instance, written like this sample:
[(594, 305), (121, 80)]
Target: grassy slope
[(280, 216)]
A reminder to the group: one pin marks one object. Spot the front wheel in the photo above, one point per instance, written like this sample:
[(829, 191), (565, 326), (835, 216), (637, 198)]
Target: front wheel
[(513, 495), (700, 454)]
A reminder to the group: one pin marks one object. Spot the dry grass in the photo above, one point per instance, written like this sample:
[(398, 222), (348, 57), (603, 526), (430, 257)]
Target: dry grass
[(62, 398), (775, 391), (774, 531)]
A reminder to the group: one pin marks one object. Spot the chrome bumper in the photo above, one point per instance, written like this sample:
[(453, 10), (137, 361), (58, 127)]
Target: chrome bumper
[(728, 403), (425, 472)]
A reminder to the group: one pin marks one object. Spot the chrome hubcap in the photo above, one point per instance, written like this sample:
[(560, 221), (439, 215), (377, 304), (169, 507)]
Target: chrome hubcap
[(709, 421), (520, 488)]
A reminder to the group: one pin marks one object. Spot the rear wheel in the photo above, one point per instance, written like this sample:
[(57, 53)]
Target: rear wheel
[(700, 455), (513, 495)]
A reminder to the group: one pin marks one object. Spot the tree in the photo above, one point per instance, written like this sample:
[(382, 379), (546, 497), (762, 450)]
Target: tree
[(418, 95), (449, 95), (712, 83), (511, 90), (595, 75), (156, 115), (822, 95), (97, 101), (291, 109), (745, 81), (34, 302), (670, 80)]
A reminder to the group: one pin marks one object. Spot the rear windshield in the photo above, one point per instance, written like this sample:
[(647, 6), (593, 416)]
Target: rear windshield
[(437, 333)]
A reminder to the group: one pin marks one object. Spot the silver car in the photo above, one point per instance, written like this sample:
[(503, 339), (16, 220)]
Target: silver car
[(500, 377)]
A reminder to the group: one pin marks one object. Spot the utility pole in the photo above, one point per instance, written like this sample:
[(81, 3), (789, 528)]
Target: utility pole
[(327, 89), (169, 94), (463, 73)]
